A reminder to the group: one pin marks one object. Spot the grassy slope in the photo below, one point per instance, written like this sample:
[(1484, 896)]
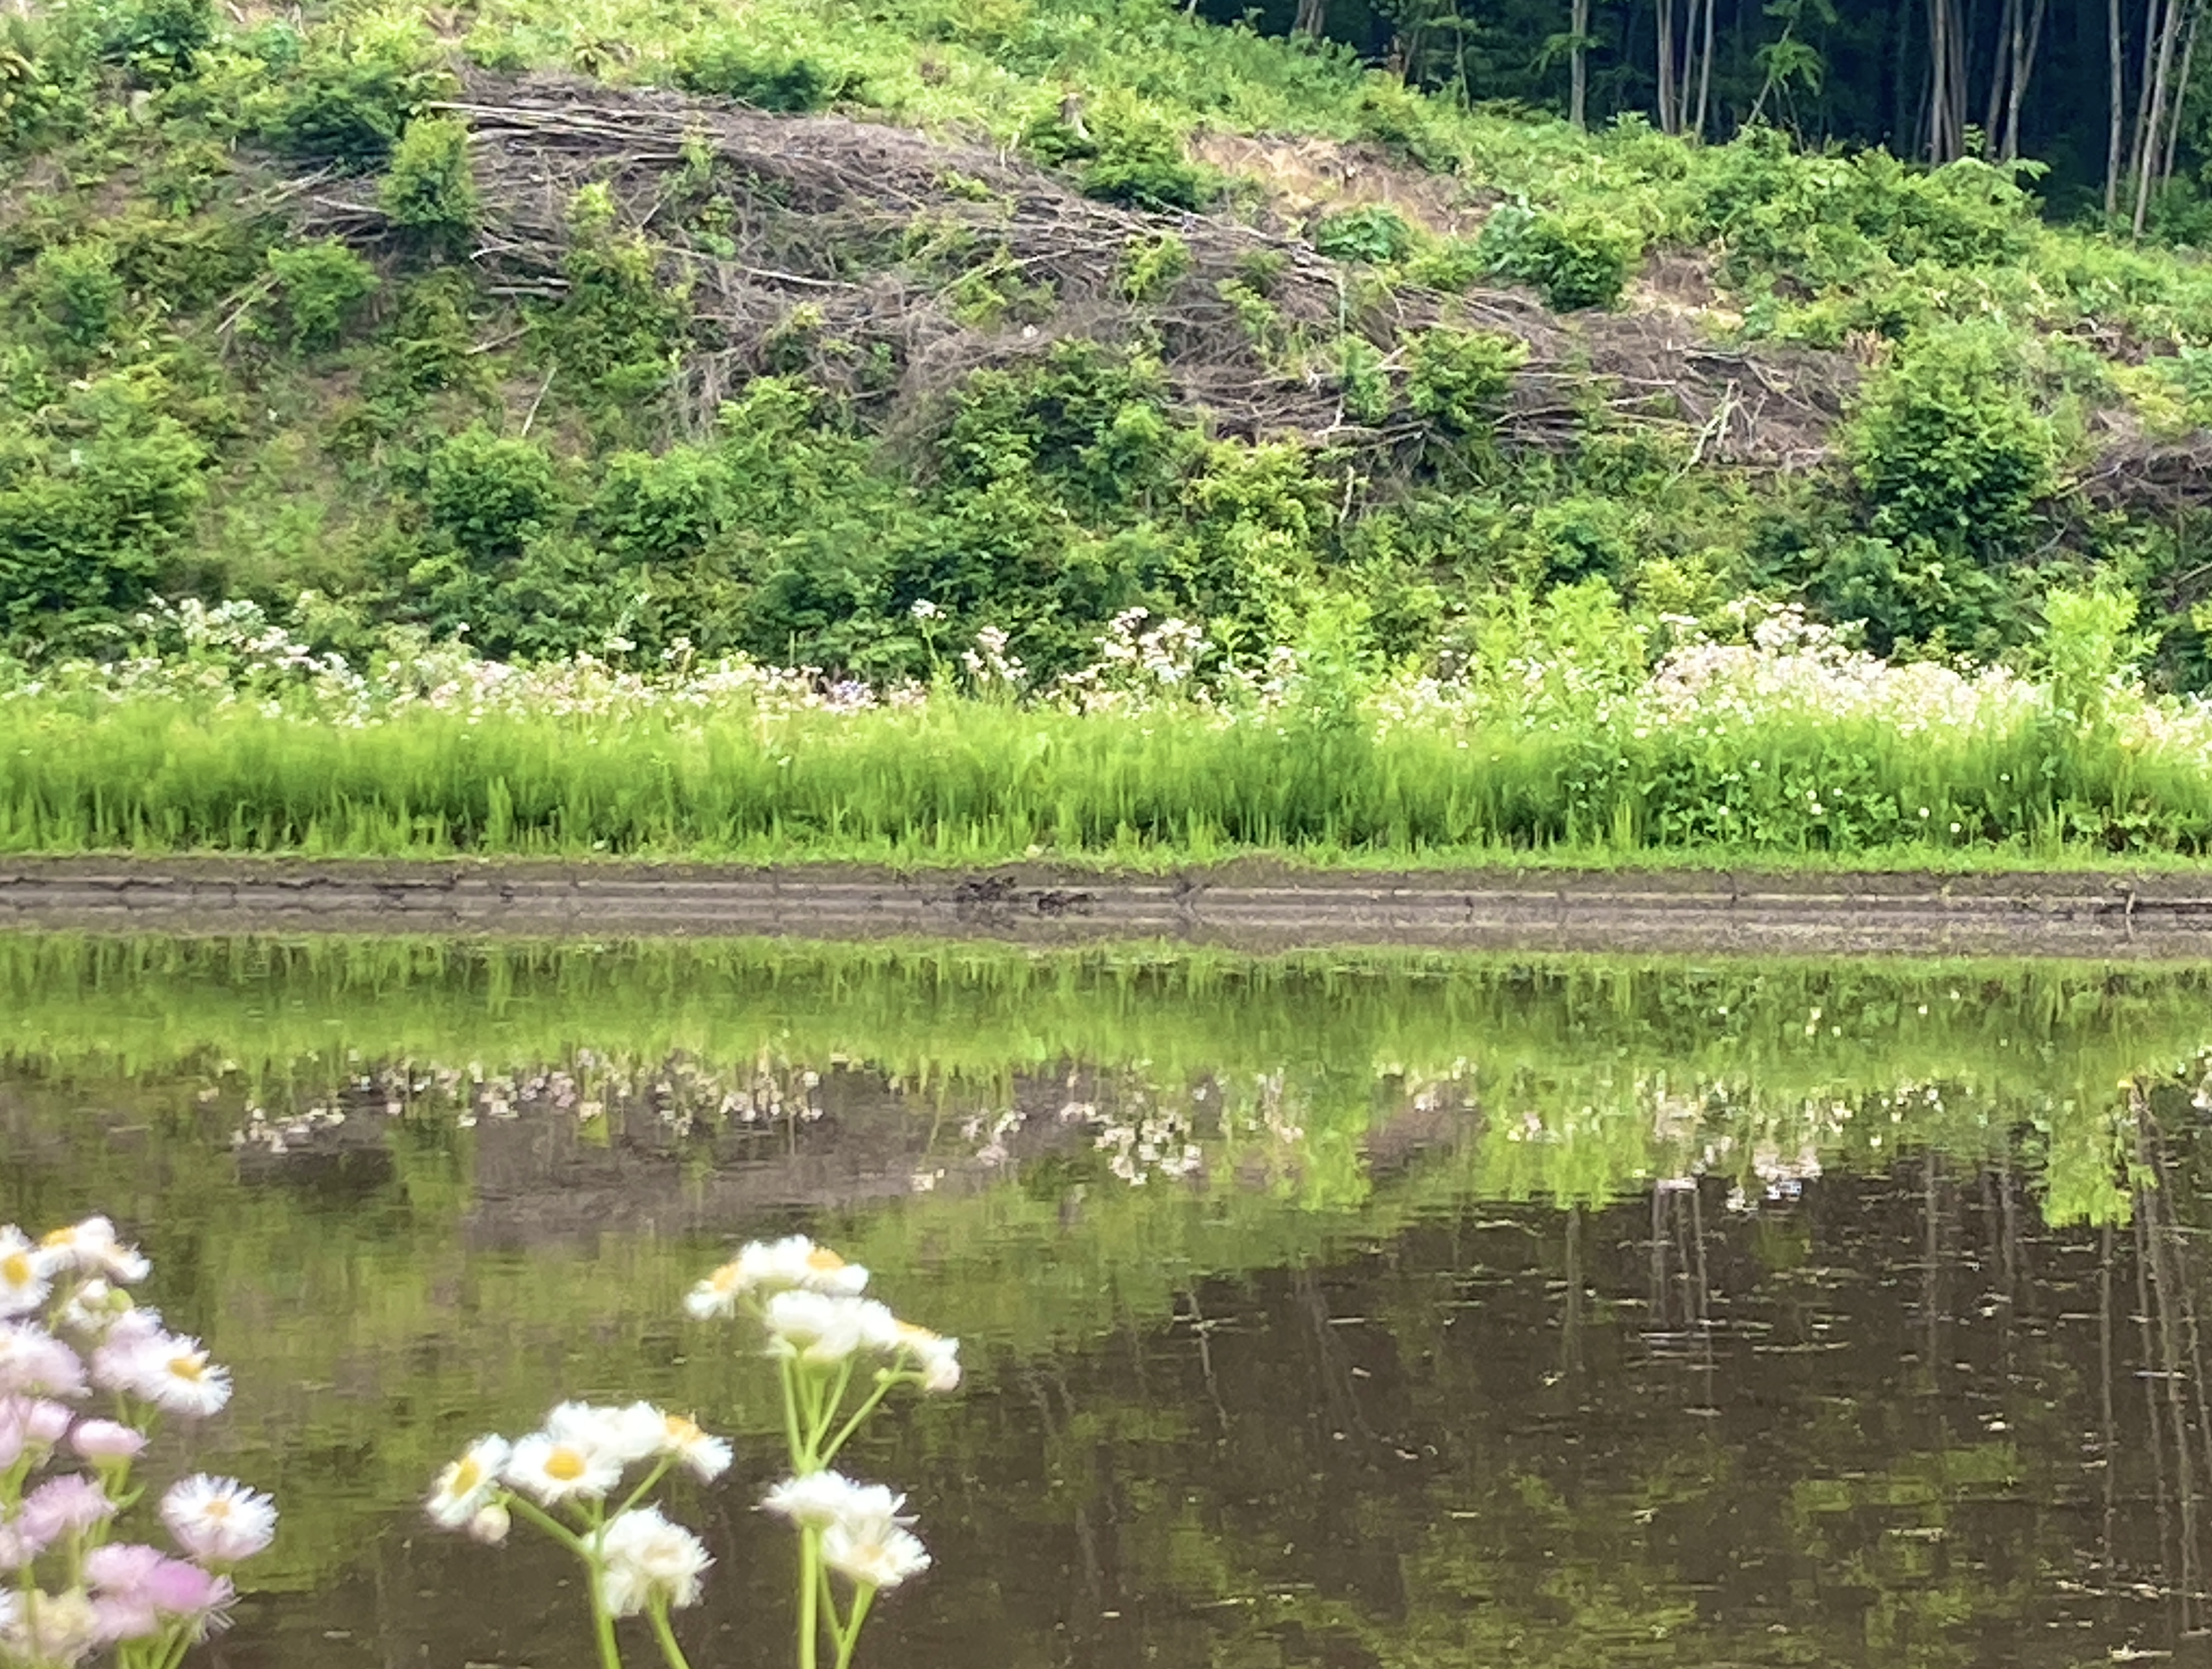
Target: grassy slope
[(318, 467)]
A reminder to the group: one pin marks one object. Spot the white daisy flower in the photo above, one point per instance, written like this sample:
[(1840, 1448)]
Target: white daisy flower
[(624, 1436), (822, 1330), (550, 1471), (649, 1563), (681, 1441), (793, 1264), (874, 1554), (936, 1357), (92, 1248), (26, 1272), (173, 1372), (464, 1488), (821, 1499), (218, 1520)]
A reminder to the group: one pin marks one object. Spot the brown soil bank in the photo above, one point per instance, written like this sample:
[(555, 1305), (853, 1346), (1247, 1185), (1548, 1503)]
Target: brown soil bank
[(1246, 905)]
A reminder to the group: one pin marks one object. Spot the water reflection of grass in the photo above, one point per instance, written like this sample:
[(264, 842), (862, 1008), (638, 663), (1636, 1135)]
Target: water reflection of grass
[(370, 1333)]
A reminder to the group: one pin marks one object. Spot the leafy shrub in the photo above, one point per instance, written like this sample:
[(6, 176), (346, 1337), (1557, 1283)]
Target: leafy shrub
[(557, 597), (1828, 219), (41, 77), (1093, 423), (350, 111), (1576, 260), (1392, 115), (730, 65), (427, 191), (1948, 446), (1914, 595), (490, 493), (320, 287), (619, 328), (158, 41), (92, 502), (1151, 267), (663, 509), (75, 294), (1458, 379), (1364, 382), (1371, 232), (1125, 152)]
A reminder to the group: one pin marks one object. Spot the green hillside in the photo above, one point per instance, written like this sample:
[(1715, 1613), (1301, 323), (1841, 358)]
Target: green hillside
[(933, 342)]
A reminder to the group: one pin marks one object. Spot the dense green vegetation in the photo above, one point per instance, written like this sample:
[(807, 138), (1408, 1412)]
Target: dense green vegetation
[(1113, 309)]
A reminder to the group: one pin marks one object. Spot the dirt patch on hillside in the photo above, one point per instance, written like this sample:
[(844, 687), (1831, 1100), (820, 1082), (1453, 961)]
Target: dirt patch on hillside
[(1304, 178), (1250, 906)]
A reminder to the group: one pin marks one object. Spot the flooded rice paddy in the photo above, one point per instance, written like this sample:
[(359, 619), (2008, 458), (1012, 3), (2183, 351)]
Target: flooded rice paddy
[(1388, 1313)]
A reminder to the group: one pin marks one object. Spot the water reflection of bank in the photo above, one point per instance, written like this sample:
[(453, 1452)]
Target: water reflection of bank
[(1546, 1315)]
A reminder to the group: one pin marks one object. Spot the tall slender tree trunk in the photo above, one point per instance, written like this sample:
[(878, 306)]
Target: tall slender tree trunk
[(1312, 18), (1704, 74), (2147, 148), (1669, 114), (2116, 55), (2023, 67), (2180, 101), (2000, 66), (1578, 64), (1947, 89), (2139, 139)]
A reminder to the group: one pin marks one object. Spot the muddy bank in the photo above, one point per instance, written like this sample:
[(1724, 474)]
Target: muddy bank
[(1245, 905)]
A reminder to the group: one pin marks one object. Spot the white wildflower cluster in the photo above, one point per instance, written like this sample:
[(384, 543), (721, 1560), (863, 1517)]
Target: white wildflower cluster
[(1140, 661), (69, 1329), (565, 1477), (583, 1477)]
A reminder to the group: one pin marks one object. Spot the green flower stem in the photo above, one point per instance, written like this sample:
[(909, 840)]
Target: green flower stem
[(849, 1636), (883, 1383), (809, 1593), (545, 1521), (833, 1399), (651, 1478), (791, 1416), (666, 1635)]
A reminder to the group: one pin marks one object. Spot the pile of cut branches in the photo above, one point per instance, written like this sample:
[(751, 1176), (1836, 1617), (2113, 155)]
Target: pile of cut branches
[(887, 264)]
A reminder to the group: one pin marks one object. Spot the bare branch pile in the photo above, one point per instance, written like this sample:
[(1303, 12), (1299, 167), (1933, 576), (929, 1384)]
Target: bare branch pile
[(888, 264)]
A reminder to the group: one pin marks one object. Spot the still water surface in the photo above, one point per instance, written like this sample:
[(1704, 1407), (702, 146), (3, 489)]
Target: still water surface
[(1373, 1314)]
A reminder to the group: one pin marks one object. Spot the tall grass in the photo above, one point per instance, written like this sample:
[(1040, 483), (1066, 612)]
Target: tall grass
[(1786, 745)]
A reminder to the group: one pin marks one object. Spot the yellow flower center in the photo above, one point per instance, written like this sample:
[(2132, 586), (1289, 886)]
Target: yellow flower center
[(826, 1261), (681, 1431), (60, 1237), (218, 1507), (564, 1466), (190, 1368), (466, 1475), (16, 1269), (724, 1279)]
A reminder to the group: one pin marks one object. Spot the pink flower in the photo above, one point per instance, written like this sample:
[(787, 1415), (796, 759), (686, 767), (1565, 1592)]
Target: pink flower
[(44, 1422), (105, 1440), (66, 1506), (34, 1364), (140, 1586), (29, 1425)]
